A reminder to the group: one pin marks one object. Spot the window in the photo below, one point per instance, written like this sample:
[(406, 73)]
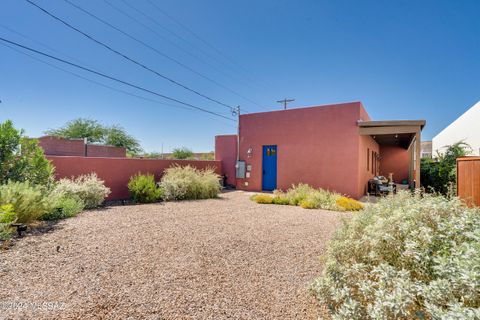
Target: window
[(373, 161), (368, 159)]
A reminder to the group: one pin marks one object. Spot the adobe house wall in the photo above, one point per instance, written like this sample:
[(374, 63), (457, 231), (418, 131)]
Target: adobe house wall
[(316, 145)]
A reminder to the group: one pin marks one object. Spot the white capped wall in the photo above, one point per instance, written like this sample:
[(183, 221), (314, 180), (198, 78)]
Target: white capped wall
[(466, 128)]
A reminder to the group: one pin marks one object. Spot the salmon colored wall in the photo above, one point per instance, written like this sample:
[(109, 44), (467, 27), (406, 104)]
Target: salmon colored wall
[(316, 145), (366, 143), (94, 150), (394, 159), (116, 172), (55, 146), (226, 152)]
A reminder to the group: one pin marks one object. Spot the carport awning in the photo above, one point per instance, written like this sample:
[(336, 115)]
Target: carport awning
[(403, 133), (393, 132)]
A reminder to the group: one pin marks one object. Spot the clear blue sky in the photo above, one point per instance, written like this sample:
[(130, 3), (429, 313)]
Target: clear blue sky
[(402, 59)]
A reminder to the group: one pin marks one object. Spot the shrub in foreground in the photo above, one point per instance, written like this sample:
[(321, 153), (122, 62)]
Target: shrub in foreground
[(88, 188), (181, 183), (28, 201), (144, 189), (64, 207), (407, 257)]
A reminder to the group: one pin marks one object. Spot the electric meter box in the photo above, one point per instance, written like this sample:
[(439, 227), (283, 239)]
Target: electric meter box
[(240, 170)]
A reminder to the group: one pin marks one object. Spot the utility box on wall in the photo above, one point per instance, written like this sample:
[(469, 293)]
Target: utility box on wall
[(240, 170)]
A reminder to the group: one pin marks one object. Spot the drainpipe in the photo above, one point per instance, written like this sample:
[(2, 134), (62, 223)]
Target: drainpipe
[(238, 134), (85, 143)]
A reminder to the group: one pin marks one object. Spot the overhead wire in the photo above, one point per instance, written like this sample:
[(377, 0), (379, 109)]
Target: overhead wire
[(116, 8), (127, 57), (138, 87), (103, 21)]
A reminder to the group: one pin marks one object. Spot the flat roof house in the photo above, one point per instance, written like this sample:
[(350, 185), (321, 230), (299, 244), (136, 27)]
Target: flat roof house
[(335, 147)]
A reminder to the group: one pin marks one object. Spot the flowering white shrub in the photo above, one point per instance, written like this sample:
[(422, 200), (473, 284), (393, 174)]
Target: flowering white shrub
[(88, 188), (180, 183), (407, 257)]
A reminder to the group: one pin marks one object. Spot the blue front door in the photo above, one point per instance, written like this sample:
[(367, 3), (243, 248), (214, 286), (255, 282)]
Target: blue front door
[(269, 168)]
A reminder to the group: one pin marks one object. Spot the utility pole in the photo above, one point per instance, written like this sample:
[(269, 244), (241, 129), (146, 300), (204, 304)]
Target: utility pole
[(284, 102)]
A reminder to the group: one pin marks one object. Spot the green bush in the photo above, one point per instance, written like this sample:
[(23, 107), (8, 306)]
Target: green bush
[(144, 189), (64, 207), (88, 188), (7, 213), (180, 183), (5, 231), (440, 174), (280, 198), (21, 159), (407, 257), (29, 201)]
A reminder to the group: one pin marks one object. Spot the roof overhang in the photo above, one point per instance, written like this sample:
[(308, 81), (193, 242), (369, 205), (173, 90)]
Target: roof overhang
[(392, 132)]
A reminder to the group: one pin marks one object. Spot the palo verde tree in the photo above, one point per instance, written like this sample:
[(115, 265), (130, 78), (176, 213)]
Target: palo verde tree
[(96, 132)]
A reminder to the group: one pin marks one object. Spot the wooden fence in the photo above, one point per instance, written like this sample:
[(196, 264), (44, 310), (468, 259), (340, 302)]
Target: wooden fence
[(468, 180)]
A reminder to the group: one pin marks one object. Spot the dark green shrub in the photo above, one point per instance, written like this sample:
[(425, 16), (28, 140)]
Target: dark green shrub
[(64, 207), (5, 231), (21, 159), (144, 189), (440, 174)]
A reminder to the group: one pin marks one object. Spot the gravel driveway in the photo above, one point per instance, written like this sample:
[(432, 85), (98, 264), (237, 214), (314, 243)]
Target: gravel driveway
[(226, 258)]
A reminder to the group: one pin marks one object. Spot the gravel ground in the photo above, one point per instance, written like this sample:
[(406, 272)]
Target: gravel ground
[(226, 258)]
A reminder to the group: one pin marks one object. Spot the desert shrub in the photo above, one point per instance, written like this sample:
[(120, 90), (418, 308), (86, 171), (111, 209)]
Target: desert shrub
[(7, 213), (181, 183), (88, 188), (5, 231), (280, 198), (21, 159), (297, 193), (262, 198), (64, 207), (29, 201), (407, 257), (144, 189), (349, 204)]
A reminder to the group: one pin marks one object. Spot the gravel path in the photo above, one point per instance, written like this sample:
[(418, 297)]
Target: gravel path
[(226, 258)]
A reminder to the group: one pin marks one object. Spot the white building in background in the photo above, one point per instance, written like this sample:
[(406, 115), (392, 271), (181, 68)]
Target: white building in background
[(466, 128)]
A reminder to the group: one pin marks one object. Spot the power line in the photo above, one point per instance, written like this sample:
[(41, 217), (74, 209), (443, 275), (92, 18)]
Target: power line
[(114, 78), (183, 26), (127, 57), (105, 85), (154, 49), (175, 44)]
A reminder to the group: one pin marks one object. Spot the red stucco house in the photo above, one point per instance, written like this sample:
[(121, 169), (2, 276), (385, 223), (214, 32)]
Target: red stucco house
[(336, 147)]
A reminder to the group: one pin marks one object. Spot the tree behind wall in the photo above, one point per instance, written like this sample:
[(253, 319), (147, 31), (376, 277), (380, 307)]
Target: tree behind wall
[(95, 132), (182, 153), (440, 174)]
